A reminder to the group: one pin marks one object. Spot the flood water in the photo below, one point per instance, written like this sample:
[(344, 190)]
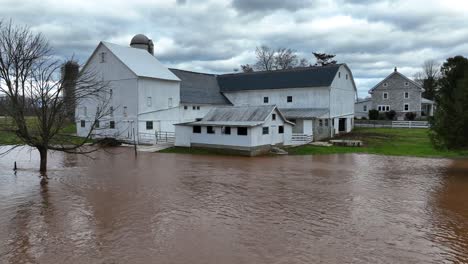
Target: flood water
[(172, 208)]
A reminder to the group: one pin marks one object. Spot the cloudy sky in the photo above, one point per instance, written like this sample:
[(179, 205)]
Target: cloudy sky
[(371, 36)]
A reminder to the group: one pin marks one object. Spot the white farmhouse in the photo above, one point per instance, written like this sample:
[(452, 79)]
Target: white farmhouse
[(147, 98)]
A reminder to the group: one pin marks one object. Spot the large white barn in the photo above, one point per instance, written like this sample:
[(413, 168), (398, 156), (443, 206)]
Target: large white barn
[(145, 97)]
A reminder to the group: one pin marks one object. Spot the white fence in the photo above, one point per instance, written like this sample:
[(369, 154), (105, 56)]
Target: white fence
[(157, 137), (391, 124), (298, 139)]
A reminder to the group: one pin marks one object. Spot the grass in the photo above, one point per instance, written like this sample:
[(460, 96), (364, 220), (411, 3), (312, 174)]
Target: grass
[(9, 138), (380, 141), (384, 141)]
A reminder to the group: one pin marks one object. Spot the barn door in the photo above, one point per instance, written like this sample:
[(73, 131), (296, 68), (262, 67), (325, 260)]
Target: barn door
[(342, 125)]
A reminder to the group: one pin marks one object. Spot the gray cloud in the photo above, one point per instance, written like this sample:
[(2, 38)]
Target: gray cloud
[(217, 36)]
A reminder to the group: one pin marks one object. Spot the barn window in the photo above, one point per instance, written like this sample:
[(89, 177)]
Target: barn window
[(273, 116), (280, 129), (185, 107), (198, 107), (226, 130), (326, 122), (406, 107), (406, 95), (364, 108), (289, 99), (210, 130), (194, 107), (385, 84), (265, 130), (406, 83), (197, 129), (111, 93), (96, 124), (385, 95), (125, 111), (103, 57), (320, 122), (346, 76), (149, 125), (149, 101), (85, 111), (339, 75), (112, 124), (111, 111), (83, 123), (265, 100), (169, 102), (242, 131)]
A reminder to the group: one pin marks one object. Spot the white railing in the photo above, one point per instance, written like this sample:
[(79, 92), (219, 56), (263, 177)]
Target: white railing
[(391, 124), (300, 138), (157, 137)]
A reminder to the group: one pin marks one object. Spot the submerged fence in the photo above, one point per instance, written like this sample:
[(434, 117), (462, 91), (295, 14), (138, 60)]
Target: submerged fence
[(157, 137), (391, 124)]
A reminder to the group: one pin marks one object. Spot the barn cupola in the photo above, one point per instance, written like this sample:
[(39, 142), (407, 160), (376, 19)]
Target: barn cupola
[(141, 41)]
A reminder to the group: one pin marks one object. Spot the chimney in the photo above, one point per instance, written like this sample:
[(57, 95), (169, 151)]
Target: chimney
[(395, 69)]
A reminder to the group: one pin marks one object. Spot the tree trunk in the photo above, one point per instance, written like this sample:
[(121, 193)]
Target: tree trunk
[(43, 155), (43, 166)]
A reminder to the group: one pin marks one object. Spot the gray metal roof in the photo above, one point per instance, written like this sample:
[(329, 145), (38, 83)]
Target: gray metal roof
[(426, 101), (199, 88), (293, 78), (304, 113), (237, 116)]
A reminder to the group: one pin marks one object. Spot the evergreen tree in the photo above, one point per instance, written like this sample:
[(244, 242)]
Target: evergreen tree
[(449, 126)]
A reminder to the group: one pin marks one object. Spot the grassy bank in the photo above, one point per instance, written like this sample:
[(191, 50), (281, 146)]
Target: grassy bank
[(381, 141), (384, 141), (7, 137)]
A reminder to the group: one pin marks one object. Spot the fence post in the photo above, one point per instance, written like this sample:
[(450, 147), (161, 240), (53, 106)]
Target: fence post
[(410, 123)]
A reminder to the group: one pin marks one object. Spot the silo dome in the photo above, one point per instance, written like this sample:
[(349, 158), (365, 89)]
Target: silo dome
[(139, 39)]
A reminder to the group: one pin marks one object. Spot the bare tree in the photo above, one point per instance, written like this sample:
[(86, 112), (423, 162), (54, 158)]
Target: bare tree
[(269, 59), (265, 58), (428, 78), (30, 79)]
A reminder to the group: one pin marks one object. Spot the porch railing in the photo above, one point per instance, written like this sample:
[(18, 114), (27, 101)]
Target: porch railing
[(391, 124)]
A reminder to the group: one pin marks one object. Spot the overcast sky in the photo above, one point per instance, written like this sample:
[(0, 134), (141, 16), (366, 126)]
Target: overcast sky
[(216, 36)]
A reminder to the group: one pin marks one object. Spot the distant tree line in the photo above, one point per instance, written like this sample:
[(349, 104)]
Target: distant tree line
[(269, 59)]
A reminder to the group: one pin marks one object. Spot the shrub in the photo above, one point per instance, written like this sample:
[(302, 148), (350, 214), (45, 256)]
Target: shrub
[(382, 116), (390, 115), (410, 116), (373, 114), (363, 118)]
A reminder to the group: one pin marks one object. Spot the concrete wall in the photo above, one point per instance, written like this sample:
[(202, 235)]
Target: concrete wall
[(396, 89)]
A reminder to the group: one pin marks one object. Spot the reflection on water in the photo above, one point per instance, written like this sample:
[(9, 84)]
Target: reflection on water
[(169, 208)]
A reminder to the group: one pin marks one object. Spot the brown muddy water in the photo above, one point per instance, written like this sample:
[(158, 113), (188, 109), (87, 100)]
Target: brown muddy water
[(171, 208)]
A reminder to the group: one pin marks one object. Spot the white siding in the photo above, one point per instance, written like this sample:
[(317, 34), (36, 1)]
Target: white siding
[(302, 97), (342, 94)]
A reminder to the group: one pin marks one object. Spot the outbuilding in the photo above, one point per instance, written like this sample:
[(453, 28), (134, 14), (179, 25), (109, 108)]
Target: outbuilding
[(249, 130)]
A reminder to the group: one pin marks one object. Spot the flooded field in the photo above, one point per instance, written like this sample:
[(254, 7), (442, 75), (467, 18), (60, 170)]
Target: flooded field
[(171, 208)]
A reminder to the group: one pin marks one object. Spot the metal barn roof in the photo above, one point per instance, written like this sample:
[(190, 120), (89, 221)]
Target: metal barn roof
[(304, 113), (199, 88), (293, 78), (141, 62)]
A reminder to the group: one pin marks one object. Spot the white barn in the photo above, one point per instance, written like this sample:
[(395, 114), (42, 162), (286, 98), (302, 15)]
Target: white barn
[(246, 129), (146, 97)]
